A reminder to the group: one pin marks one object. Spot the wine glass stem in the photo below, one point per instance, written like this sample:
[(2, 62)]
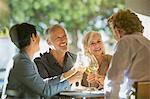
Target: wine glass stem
[(79, 84), (89, 85)]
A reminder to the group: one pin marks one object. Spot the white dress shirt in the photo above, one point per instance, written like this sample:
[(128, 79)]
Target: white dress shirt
[(130, 63)]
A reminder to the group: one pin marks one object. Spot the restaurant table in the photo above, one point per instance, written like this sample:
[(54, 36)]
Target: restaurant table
[(82, 94)]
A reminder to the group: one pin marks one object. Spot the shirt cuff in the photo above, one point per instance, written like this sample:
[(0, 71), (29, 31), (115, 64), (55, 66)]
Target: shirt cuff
[(62, 78)]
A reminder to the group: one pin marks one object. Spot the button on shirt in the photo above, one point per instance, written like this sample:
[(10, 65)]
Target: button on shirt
[(130, 63)]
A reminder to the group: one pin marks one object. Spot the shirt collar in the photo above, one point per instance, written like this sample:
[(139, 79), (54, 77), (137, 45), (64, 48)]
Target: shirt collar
[(53, 60)]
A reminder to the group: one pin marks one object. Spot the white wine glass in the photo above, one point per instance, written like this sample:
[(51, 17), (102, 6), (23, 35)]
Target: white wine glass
[(82, 62), (92, 67)]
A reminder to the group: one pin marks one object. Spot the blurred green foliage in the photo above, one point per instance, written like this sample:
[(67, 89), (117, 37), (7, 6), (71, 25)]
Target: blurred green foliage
[(75, 15)]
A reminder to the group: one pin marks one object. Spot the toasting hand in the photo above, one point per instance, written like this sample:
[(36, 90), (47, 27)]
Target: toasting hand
[(73, 75), (96, 78)]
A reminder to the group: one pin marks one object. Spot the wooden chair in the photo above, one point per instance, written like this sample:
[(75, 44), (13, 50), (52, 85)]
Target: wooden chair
[(8, 68), (141, 90)]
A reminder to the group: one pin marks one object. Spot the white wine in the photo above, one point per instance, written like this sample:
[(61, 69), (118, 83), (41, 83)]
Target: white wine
[(91, 69)]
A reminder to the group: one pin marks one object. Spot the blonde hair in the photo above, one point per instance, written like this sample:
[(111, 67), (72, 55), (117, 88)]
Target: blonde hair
[(85, 42), (86, 39), (127, 21)]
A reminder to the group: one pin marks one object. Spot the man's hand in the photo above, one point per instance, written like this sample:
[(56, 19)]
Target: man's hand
[(76, 77), (68, 73), (73, 75)]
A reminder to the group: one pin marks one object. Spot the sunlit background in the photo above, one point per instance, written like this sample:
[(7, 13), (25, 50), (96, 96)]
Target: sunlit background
[(77, 16)]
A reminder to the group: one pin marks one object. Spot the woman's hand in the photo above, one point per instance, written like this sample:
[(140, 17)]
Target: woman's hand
[(100, 81), (96, 78), (91, 78)]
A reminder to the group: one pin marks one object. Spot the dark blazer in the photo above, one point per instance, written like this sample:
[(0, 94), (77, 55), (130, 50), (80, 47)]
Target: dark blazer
[(49, 67), (26, 81)]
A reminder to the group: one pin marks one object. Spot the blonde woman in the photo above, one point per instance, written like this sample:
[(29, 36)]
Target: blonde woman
[(94, 47)]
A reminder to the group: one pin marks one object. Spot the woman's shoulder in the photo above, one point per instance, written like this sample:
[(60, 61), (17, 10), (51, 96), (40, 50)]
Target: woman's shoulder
[(108, 57), (22, 63)]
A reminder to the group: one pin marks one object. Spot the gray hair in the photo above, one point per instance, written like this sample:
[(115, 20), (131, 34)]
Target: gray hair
[(52, 29)]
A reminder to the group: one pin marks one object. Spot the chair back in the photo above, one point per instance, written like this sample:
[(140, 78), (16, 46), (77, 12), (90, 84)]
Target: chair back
[(8, 68), (142, 90)]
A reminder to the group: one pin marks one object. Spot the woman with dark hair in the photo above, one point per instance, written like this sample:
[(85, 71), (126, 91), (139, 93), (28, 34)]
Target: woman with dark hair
[(24, 80)]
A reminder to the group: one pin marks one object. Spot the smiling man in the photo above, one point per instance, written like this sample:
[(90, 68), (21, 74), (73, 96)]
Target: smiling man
[(58, 60)]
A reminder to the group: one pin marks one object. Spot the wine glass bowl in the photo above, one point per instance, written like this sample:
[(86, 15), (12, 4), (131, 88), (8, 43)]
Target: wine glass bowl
[(82, 62), (91, 69), (86, 63)]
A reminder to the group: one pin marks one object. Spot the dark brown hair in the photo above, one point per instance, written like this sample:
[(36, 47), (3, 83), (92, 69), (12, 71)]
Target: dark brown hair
[(21, 34)]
